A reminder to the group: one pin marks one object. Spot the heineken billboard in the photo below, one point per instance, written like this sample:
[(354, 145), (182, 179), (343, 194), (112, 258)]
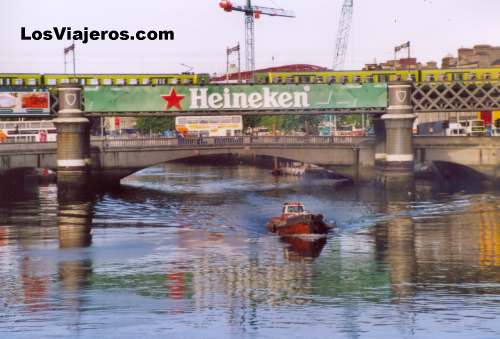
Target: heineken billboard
[(234, 98)]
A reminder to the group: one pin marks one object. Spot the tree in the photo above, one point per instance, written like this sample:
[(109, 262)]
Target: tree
[(251, 121), (155, 124)]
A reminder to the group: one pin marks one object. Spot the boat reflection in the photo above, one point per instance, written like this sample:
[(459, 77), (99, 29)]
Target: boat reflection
[(303, 247)]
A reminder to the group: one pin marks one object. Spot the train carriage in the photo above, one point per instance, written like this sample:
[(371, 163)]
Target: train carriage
[(460, 74), (20, 79), (341, 77), (124, 79)]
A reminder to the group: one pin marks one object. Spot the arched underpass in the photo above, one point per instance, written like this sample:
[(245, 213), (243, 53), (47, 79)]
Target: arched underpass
[(453, 171), (343, 159)]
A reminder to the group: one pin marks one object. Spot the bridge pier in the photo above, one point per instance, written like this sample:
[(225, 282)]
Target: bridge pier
[(380, 145), (398, 169), (73, 135)]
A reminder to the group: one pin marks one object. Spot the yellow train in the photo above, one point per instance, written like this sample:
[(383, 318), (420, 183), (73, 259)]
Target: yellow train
[(431, 75), (340, 77), (25, 79)]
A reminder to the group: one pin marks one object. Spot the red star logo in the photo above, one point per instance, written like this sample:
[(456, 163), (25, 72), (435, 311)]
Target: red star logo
[(173, 100)]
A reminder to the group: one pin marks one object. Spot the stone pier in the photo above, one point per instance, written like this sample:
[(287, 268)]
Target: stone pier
[(399, 163), (73, 137), (380, 146)]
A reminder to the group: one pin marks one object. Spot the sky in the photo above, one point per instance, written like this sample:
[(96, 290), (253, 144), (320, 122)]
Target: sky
[(203, 31)]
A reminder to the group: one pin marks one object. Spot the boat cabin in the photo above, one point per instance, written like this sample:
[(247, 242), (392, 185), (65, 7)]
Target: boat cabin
[(293, 208)]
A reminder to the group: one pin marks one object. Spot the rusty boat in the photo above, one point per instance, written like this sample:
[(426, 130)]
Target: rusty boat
[(295, 220)]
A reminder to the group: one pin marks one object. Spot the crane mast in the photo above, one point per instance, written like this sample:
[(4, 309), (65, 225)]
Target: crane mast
[(344, 29), (249, 38), (251, 13)]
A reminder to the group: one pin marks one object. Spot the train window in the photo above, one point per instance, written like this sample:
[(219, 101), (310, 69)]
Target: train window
[(442, 77), (132, 81), (332, 79), (472, 76), (429, 77), (187, 81), (173, 81), (383, 77), (412, 77), (64, 81), (93, 82), (458, 76), (161, 81), (145, 81), (289, 80), (320, 79), (1, 82), (487, 76), (356, 79), (83, 82), (369, 78), (344, 79), (106, 81), (120, 82), (261, 79), (51, 82), (18, 81), (32, 82), (304, 79)]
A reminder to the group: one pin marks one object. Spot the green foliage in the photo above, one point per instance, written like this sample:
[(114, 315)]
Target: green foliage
[(251, 121), (289, 123), (155, 124)]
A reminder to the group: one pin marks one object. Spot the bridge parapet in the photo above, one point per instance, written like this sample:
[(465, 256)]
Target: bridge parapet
[(228, 141)]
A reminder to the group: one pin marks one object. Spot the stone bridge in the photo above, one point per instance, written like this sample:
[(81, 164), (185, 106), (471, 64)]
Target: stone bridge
[(354, 157), (118, 158)]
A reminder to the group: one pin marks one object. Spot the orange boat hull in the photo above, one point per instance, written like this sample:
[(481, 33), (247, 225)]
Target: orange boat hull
[(306, 224)]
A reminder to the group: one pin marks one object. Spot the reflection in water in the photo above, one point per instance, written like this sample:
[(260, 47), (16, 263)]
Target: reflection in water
[(401, 256), (74, 214), (74, 220), (303, 248), (185, 251)]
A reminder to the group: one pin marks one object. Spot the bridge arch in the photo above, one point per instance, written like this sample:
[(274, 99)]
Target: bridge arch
[(452, 170), (118, 165)]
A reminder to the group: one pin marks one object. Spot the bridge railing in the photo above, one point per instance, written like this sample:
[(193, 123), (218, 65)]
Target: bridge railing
[(298, 140), (237, 140), (193, 141)]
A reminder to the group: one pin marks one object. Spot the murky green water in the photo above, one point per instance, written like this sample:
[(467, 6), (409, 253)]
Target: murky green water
[(183, 251)]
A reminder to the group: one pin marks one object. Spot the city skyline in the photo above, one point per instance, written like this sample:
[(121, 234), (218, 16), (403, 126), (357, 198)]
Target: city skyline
[(203, 31)]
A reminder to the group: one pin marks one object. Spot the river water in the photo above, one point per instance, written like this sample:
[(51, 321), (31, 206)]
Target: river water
[(182, 251)]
